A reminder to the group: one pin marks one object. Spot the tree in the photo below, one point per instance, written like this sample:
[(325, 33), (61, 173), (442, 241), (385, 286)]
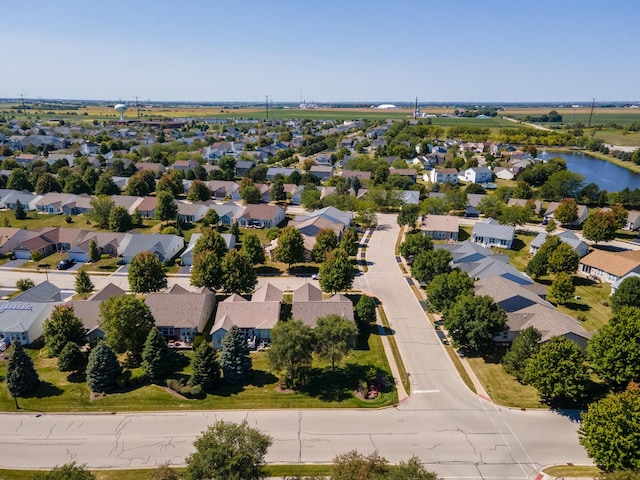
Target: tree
[(335, 337), (562, 288), (515, 215), (126, 322), (141, 184), (211, 218), (522, 190), (349, 241), (106, 186), (22, 378), (564, 259), (146, 273), (567, 211), (71, 358), (94, 253), (36, 256), (627, 294), (600, 226), (211, 241), (136, 218), (164, 472), (414, 243), (253, 249), (428, 264), (473, 321), (101, 210), (523, 347), (205, 368), (235, 361), (19, 180), (277, 189), (365, 309), (609, 431), (620, 215), (229, 451), (614, 350), (171, 182), (291, 352), (411, 469), (62, 327), (198, 192), (539, 263), (290, 247), (120, 220), (20, 213), (69, 471), (326, 240), (491, 206), (557, 370), (103, 369), (238, 275), (310, 197), (445, 289), (250, 194), (206, 270), (84, 285), (167, 208), (409, 216), (356, 466), (47, 183), (24, 284), (336, 273), (156, 356), (561, 184)]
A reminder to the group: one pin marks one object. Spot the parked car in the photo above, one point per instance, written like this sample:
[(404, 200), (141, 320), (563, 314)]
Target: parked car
[(315, 276), (64, 264)]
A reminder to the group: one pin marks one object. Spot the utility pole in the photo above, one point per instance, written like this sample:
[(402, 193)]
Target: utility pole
[(267, 105), (24, 110), (591, 114), (137, 108)]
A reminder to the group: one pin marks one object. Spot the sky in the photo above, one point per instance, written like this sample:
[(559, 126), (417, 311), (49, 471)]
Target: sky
[(322, 50)]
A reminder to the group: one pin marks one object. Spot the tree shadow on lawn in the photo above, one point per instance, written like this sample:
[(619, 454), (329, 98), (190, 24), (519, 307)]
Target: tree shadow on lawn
[(46, 390), (77, 377), (259, 379), (340, 384)]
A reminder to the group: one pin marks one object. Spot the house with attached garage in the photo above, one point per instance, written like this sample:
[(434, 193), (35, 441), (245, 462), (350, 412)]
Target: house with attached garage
[(165, 247), (266, 216), (255, 318), (442, 175), (323, 172), (633, 221), (89, 310), (108, 243), (583, 213), (476, 175), (229, 212), (607, 266), (9, 199), (221, 189), (187, 255), (147, 207), (489, 233), (180, 314), (440, 227), (308, 305), (191, 212)]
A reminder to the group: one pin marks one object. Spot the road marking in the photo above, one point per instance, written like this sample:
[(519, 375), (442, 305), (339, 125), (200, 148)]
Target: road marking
[(426, 391)]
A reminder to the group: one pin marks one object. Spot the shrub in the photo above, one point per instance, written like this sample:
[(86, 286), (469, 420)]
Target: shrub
[(68, 219), (24, 284), (137, 377), (120, 261), (123, 379), (105, 256)]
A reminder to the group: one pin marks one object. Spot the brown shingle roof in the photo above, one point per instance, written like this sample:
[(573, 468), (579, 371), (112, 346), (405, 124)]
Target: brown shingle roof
[(616, 263)]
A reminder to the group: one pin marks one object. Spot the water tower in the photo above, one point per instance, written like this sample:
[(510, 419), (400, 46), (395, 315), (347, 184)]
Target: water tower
[(121, 108)]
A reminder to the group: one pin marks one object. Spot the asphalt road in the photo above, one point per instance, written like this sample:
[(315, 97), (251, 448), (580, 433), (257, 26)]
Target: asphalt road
[(453, 431)]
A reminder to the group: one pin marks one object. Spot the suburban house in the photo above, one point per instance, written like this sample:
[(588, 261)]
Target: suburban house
[(633, 221), (526, 308), (147, 207), (476, 175), (617, 283), (521, 202), (412, 173), (165, 247), (243, 167), (409, 197), (440, 227), (9, 199), (294, 193), (222, 189), (361, 175), (127, 201), (308, 305), (332, 213), (442, 175), (583, 213), (184, 165), (89, 148), (489, 233), (609, 266), (187, 255), (473, 200), (45, 292), (507, 173), (580, 247), (285, 172), (262, 215), (323, 172), (89, 310), (228, 212), (108, 243), (180, 314), (254, 318), (191, 212)]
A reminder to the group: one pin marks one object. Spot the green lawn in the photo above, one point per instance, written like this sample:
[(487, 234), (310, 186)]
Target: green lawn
[(327, 389), (519, 252), (502, 387), (569, 471)]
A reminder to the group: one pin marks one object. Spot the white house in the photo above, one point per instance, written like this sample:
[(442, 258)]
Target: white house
[(633, 221), (476, 175), (442, 175), (489, 233)]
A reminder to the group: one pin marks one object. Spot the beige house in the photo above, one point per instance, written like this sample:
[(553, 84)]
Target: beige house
[(440, 227), (609, 266), (308, 305)]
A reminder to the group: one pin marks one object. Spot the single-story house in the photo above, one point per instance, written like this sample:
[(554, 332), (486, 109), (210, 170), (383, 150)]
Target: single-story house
[(191, 212), (580, 247), (165, 247), (221, 189), (23, 320), (228, 212), (323, 172), (412, 173), (180, 314), (361, 175), (285, 172), (489, 233), (583, 213), (262, 215), (308, 305), (294, 192), (617, 283), (440, 227), (332, 213), (187, 255), (410, 197), (521, 202), (89, 310), (633, 220), (147, 207), (255, 318), (127, 201), (610, 266)]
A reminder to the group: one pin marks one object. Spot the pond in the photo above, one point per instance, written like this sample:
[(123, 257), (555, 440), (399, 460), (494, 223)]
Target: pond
[(607, 176)]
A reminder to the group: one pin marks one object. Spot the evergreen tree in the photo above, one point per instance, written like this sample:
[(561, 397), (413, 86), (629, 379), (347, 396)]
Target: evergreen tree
[(103, 369), (94, 252), (206, 369), (525, 345), (22, 378), (84, 284), (156, 356), (235, 229), (234, 359), (71, 358), (62, 327), (20, 213)]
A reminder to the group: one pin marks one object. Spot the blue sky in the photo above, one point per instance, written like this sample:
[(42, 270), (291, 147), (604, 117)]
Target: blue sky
[(330, 50)]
